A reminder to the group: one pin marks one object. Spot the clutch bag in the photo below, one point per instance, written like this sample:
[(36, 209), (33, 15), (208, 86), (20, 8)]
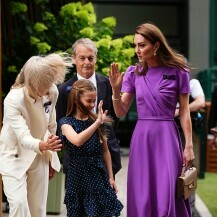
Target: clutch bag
[(187, 182)]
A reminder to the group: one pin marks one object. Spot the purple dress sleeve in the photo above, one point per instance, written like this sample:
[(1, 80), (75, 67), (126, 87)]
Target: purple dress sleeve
[(128, 84), (183, 81)]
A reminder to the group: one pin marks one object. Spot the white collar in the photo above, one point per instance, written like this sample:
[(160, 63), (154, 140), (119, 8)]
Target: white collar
[(92, 78)]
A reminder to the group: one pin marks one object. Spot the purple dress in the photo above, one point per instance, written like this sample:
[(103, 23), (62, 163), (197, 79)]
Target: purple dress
[(155, 159)]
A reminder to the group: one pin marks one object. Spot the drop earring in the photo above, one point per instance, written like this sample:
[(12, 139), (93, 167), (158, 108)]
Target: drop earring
[(155, 52)]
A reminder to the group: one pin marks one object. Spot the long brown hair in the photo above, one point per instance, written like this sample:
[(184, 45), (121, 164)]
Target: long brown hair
[(165, 53), (74, 100)]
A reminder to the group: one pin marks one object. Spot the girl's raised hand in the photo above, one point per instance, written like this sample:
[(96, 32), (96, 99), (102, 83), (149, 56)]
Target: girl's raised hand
[(101, 115), (115, 76)]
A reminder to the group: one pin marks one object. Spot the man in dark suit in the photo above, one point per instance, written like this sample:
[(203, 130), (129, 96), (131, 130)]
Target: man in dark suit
[(84, 57)]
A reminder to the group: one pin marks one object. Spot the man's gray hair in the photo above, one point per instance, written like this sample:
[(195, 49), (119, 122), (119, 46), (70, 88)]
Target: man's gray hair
[(86, 42)]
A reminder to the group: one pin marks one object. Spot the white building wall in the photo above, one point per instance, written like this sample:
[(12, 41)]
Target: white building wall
[(199, 34)]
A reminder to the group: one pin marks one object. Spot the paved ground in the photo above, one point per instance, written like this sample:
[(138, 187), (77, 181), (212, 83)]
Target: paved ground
[(121, 180)]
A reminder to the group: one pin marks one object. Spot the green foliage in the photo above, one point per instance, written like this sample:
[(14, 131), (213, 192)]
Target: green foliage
[(57, 32), (39, 27), (12, 68), (43, 47), (17, 7)]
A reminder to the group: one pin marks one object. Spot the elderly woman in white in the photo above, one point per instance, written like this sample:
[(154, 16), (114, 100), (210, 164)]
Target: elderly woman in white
[(28, 143)]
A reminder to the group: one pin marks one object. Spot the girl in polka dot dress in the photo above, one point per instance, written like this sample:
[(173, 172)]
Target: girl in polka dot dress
[(90, 186)]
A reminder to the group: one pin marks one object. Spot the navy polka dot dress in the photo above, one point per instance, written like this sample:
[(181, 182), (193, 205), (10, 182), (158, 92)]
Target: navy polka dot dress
[(88, 192)]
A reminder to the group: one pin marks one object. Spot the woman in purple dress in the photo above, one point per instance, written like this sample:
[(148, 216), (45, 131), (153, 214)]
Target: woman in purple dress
[(158, 81)]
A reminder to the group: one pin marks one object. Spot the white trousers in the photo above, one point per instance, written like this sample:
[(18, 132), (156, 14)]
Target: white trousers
[(27, 197)]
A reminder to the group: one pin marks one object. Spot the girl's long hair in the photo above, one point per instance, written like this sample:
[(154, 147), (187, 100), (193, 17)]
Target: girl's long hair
[(74, 101), (165, 53)]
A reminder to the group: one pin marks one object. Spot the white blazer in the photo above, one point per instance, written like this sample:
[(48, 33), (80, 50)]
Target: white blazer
[(25, 123)]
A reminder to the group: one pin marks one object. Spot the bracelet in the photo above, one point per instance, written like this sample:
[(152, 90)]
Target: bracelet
[(99, 121), (113, 99)]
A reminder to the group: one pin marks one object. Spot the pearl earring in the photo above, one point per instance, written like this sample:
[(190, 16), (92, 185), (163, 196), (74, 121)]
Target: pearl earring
[(155, 52)]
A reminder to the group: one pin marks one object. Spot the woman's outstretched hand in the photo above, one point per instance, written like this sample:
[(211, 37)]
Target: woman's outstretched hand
[(115, 76), (53, 143)]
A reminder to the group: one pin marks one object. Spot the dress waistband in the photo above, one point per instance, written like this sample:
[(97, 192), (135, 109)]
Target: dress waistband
[(156, 118)]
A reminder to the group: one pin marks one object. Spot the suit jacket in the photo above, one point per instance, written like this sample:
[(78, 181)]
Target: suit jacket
[(104, 92), (25, 124)]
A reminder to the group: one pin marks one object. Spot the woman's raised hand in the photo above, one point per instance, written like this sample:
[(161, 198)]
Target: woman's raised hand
[(115, 76)]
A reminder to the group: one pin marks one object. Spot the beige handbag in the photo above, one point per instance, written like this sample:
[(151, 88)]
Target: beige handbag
[(187, 182)]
